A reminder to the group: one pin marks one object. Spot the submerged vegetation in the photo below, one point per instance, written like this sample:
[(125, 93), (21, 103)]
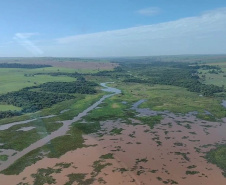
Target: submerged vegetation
[(172, 87), (218, 156)]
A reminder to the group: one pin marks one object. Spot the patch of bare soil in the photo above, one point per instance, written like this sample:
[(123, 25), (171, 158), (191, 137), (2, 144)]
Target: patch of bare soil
[(65, 63)]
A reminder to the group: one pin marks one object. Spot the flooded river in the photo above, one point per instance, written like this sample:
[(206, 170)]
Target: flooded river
[(170, 153), (60, 132)]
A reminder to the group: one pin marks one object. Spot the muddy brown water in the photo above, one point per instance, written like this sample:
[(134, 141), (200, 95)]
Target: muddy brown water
[(153, 163), (143, 156), (137, 151)]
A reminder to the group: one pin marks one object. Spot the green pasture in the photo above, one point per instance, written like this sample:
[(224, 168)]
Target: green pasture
[(15, 79), (216, 79), (171, 98), (9, 107)]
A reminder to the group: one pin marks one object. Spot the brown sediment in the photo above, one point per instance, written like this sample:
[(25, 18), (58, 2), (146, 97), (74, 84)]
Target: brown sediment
[(143, 155), (67, 63), (81, 159), (81, 65), (167, 157)]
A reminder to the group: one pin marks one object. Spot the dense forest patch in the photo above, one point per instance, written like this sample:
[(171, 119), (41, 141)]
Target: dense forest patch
[(171, 73), (32, 99), (69, 87)]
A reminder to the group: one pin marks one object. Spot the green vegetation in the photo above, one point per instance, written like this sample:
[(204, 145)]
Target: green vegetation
[(18, 140), (178, 144), (171, 98), (43, 176), (98, 166), (108, 110), (215, 75), (174, 87), (87, 128), (3, 157), (184, 155), (81, 87), (15, 79), (218, 156), (32, 101), (144, 160), (116, 131), (56, 148), (191, 172), (192, 166), (150, 121), (79, 178), (199, 59), (9, 108), (21, 183), (176, 74), (8, 114), (122, 170), (47, 95), (107, 156)]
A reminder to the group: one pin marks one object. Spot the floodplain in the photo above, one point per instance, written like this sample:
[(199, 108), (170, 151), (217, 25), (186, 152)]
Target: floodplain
[(158, 123)]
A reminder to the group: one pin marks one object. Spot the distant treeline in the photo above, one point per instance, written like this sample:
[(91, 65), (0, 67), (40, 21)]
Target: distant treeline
[(189, 79), (73, 75), (207, 67), (80, 86), (164, 73), (69, 87), (26, 66)]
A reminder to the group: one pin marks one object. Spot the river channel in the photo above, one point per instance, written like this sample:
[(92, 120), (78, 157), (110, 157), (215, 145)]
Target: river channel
[(60, 132)]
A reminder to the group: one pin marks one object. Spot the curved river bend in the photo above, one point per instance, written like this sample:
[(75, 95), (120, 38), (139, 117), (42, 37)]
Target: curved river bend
[(61, 131)]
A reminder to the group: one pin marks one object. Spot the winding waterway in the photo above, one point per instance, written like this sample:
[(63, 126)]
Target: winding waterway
[(7, 126), (60, 132)]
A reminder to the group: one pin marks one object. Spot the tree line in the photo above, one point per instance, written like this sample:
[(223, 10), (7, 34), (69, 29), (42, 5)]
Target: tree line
[(165, 73), (26, 66), (32, 99)]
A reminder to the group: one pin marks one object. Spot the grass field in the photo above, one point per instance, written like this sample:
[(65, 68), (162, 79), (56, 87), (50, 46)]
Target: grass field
[(159, 98), (171, 98), (15, 79), (216, 79), (9, 107)]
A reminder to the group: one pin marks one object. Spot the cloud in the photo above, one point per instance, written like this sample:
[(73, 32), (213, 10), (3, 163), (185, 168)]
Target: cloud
[(149, 11), (23, 40), (204, 34)]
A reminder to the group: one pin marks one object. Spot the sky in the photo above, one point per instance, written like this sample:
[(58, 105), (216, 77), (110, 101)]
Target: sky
[(111, 28)]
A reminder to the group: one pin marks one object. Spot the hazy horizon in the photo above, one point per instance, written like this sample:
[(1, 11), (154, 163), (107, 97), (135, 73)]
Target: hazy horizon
[(112, 29)]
